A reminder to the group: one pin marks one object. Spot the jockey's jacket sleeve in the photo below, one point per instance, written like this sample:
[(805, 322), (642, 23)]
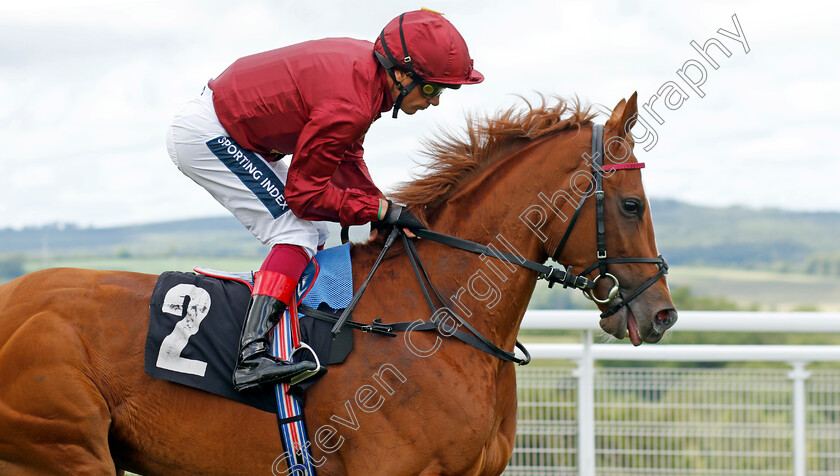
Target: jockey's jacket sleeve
[(333, 133), (353, 172)]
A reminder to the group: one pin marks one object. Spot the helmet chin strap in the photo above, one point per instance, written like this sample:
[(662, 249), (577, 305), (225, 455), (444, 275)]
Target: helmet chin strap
[(390, 62), (404, 91)]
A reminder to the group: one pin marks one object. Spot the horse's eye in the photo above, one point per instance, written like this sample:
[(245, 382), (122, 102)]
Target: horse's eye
[(631, 206)]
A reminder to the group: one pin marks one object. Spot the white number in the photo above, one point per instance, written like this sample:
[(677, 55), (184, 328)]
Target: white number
[(169, 357)]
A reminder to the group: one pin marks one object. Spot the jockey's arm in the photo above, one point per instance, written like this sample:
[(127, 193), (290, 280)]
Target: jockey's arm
[(311, 190)]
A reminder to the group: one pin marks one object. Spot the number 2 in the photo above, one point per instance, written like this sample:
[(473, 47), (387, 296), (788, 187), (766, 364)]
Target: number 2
[(169, 357)]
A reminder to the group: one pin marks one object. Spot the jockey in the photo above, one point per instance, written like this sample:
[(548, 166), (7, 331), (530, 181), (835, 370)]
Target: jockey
[(314, 101)]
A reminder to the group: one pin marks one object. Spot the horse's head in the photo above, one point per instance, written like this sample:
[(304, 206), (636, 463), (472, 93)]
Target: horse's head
[(541, 167), (620, 254)]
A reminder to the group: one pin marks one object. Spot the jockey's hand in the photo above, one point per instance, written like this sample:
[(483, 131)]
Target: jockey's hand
[(396, 215), (400, 216), (385, 231)]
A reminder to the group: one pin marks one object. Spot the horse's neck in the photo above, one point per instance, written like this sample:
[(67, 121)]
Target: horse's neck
[(495, 294)]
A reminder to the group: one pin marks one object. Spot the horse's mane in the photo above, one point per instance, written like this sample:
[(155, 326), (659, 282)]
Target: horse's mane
[(453, 160)]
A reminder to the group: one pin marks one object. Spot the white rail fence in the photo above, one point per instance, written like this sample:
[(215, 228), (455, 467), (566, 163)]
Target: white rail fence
[(582, 420)]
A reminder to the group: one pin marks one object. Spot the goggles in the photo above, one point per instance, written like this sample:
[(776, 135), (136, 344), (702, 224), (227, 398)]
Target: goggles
[(431, 90)]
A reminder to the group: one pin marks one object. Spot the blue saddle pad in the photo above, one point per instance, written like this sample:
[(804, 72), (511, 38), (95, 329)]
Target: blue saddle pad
[(196, 319), (328, 279)]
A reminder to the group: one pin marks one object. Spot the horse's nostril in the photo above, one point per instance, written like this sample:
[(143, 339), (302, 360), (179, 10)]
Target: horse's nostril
[(665, 319)]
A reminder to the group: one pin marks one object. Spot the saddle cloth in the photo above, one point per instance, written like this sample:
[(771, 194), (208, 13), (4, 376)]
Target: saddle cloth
[(195, 322)]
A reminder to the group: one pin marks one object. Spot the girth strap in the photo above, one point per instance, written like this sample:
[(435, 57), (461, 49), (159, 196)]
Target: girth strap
[(377, 327)]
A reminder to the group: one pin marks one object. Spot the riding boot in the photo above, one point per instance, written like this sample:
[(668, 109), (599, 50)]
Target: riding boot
[(255, 365)]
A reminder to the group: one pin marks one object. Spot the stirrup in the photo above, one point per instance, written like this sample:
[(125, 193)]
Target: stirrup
[(306, 374), (261, 380)]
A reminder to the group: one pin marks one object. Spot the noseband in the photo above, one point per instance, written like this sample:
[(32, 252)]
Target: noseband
[(598, 168)]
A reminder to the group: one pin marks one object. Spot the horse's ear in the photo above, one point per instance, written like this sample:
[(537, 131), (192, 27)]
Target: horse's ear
[(623, 116)]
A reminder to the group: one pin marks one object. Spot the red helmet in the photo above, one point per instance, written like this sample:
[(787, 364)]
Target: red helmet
[(425, 44)]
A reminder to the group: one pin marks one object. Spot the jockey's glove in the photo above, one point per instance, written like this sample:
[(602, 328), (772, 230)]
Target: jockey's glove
[(399, 216)]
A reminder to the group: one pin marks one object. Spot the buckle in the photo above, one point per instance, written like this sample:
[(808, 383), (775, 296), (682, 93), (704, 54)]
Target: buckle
[(377, 328), (552, 279)]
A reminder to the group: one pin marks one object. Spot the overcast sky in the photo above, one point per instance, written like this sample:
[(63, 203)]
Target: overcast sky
[(88, 89)]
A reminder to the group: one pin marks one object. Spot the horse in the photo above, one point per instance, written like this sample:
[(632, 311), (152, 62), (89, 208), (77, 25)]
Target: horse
[(74, 397)]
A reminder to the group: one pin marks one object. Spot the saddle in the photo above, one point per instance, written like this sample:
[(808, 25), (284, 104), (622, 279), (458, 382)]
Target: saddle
[(195, 320)]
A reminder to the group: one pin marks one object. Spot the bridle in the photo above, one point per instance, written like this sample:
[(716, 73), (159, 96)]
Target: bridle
[(598, 168), (553, 275), (565, 276)]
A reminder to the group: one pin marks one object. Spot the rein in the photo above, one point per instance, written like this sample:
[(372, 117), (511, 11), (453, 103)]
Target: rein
[(553, 275), (477, 339), (549, 273)]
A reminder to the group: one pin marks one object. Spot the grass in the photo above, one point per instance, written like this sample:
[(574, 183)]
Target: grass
[(764, 290)]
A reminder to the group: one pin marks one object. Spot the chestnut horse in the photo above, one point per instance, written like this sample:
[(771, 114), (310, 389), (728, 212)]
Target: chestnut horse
[(74, 398)]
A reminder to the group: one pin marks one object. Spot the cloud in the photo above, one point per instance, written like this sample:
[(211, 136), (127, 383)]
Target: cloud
[(89, 88)]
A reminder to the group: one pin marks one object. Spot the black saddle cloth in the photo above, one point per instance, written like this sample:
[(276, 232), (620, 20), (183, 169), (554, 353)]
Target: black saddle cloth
[(193, 338)]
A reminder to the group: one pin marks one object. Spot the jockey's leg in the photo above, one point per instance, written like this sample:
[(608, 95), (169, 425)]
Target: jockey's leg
[(274, 290), (203, 150)]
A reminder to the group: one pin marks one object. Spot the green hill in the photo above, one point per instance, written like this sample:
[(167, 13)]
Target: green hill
[(686, 235), (768, 259), (741, 237), (210, 236)]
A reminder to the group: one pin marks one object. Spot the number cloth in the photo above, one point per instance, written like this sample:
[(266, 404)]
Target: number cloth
[(195, 321), (196, 318)]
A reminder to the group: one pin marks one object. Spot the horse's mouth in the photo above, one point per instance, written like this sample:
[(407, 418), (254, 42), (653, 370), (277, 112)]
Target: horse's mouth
[(633, 329), (625, 324), (649, 330)]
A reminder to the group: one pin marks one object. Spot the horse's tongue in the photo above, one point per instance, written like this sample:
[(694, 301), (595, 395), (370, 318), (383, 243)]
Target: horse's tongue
[(633, 329)]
